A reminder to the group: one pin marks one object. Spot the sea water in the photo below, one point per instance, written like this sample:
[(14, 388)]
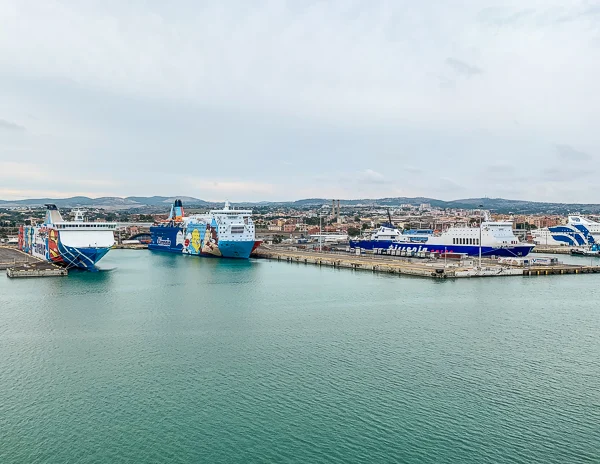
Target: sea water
[(172, 358)]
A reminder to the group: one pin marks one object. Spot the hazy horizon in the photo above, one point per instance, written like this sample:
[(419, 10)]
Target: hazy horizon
[(304, 99), (291, 200)]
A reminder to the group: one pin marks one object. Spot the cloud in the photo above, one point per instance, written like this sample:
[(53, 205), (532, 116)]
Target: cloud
[(501, 170), (137, 93), (463, 68), (504, 16), (449, 185), (565, 174), (22, 172), (23, 194), (208, 188), (10, 126), (372, 177), (568, 153)]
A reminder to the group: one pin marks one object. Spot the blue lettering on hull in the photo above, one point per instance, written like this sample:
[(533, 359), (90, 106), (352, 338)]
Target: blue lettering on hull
[(508, 251)]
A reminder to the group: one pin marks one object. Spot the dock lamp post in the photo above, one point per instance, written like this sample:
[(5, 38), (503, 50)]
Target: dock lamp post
[(480, 226), (320, 232)]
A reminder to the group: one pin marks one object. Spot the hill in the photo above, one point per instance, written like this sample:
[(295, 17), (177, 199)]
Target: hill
[(499, 205), (104, 202)]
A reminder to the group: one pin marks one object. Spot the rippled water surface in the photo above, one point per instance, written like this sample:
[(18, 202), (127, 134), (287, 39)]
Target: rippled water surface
[(164, 358)]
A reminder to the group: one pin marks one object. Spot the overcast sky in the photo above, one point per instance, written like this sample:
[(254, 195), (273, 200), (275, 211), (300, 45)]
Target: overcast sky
[(281, 100)]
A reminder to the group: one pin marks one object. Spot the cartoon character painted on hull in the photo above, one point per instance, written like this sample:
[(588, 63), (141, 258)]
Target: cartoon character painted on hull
[(53, 253), (211, 240), (21, 238)]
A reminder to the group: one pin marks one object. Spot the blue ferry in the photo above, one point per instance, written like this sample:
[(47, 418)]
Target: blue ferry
[(227, 233)]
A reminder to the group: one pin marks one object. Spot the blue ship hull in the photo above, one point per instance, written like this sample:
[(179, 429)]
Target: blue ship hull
[(82, 258), (172, 240), (471, 250)]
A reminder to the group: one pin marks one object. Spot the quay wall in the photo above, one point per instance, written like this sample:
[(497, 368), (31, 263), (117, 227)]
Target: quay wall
[(425, 268)]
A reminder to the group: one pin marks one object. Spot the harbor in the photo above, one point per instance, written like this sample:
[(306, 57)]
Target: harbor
[(258, 344), (422, 267), (299, 232)]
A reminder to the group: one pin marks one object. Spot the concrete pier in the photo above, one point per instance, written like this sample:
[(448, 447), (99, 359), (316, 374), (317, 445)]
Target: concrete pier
[(435, 269), (19, 264), (11, 256), (553, 250), (39, 269)]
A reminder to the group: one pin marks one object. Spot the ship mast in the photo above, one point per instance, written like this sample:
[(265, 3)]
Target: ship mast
[(480, 226)]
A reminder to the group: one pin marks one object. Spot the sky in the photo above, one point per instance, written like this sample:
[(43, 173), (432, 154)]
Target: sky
[(283, 100)]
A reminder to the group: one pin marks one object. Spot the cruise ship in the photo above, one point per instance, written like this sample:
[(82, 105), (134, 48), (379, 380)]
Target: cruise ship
[(227, 233), (74, 244), (578, 231), (497, 239)]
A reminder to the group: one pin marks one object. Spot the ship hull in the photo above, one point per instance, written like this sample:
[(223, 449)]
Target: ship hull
[(82, 258), (47, 243), (471, 250), (197, 241)]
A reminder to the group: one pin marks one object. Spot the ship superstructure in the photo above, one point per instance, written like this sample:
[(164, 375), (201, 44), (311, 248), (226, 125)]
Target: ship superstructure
[(493, 238), (578, 231), (226, 232), (74, 244)]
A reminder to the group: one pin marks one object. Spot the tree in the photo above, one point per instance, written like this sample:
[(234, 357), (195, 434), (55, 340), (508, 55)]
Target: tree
[(353, 231), (357, 219), (365, 226)]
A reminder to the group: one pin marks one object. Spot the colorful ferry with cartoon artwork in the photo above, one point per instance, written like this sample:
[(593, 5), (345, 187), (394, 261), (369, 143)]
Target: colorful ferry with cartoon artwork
[(74, 244), (227, 233)]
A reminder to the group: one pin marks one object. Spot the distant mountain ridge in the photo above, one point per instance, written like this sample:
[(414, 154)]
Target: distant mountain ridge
[(499, 205), (104, 202)]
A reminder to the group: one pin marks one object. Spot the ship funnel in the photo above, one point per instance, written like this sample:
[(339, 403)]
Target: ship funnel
[(52, 214), (176, 211)]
